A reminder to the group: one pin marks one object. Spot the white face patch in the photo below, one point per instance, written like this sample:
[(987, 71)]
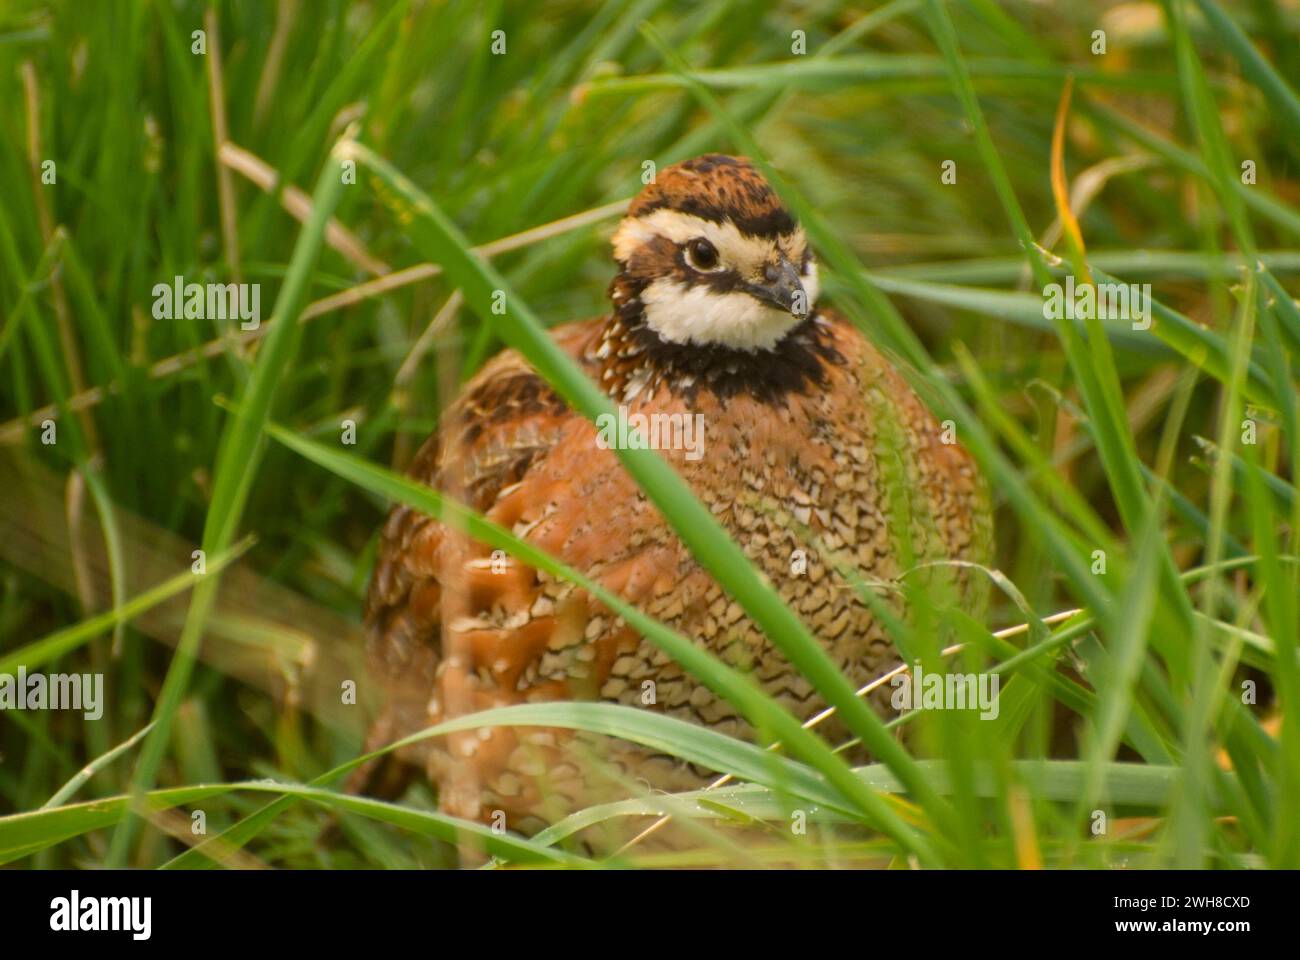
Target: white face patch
[(699, 314)]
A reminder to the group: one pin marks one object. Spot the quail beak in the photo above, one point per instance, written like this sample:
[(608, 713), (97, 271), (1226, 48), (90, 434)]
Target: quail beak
[(782, 287)]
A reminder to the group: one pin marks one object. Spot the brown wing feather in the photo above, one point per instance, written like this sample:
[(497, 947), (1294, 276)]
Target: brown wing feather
[(503, 421)]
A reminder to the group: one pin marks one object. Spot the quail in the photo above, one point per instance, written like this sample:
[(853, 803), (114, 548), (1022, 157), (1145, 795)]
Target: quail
[(809, 444)]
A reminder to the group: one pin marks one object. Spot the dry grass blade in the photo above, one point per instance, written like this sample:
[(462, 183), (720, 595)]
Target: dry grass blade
[(220, 134), (297, 203)]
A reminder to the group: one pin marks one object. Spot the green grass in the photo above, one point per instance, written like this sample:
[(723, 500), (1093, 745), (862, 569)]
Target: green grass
[(176, 435)]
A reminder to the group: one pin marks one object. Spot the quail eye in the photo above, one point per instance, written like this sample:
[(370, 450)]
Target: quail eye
[(701, 254)]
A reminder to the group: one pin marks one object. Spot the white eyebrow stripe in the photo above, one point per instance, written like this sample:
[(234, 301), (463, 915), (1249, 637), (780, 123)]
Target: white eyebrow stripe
[(679, 227)]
